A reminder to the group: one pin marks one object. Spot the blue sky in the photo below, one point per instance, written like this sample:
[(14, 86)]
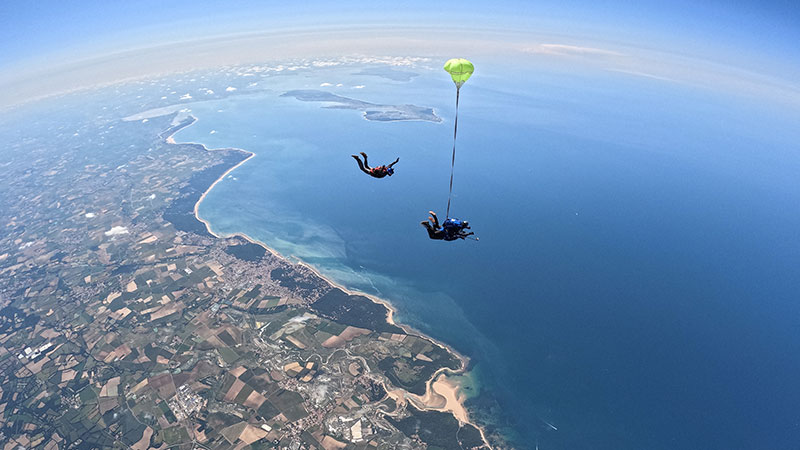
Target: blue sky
[(766, 30), (755, 37)]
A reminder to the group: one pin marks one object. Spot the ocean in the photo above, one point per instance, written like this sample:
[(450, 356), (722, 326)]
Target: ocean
[(635, 284)]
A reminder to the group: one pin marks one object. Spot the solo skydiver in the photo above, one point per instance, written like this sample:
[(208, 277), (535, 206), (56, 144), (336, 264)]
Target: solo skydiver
[(450, 230), (376, 172)]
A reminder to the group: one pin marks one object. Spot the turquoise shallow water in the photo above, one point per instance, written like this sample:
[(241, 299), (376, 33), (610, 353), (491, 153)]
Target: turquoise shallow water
[(635, 284)]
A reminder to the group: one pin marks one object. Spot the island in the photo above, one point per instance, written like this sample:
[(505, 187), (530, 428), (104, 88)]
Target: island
[(372, 111), (388, 72)]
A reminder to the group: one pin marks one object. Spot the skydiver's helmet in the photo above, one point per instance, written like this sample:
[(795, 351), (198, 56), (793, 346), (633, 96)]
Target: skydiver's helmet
[(465, 225), (389, 171)]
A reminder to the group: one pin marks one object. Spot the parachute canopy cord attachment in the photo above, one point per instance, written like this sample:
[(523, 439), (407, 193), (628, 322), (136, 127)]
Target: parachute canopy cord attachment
[(453, 161)]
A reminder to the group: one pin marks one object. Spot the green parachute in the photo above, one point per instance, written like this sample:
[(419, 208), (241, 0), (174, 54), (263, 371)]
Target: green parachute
[(460, 70)]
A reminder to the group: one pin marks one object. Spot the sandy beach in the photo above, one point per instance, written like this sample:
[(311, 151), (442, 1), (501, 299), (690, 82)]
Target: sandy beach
[(454, 399), (442, 393)]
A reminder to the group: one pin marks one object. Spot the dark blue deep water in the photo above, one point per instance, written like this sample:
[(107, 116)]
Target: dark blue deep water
[(636, 282)]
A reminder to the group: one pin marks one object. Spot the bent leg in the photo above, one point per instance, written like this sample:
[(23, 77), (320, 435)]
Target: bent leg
[(360, 164), (432, 233), (366, 164), (395, 162), (434, 219), (429, 229)]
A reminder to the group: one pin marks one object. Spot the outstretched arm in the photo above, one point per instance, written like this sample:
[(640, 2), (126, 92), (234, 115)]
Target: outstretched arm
[(395, 162)]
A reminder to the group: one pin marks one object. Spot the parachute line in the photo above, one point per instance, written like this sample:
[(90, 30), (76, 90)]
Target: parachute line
[(453, 161)]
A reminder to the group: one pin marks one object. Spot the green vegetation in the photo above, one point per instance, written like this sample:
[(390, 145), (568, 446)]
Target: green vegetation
[(267, 410), (355, 310), (174, 435), (290, 404), (226, 337), (413, 374), (246, 251), (243, 394), (437, 429), (228, 355)]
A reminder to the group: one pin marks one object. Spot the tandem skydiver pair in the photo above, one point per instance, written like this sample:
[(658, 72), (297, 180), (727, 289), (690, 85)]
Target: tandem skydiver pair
[(451, 229)]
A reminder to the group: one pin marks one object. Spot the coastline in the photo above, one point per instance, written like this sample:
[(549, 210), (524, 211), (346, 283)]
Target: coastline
[(453, 402)]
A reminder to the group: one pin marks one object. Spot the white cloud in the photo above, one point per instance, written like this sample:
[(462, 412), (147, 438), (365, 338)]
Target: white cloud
[(186, 97), (212, 132), (300, 319), (360, 86), (115, 231), (407, 61), (89, 215), (230, 89), (569, 50), (325, 63), (339, 85), (325, 85), (641, 74)]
